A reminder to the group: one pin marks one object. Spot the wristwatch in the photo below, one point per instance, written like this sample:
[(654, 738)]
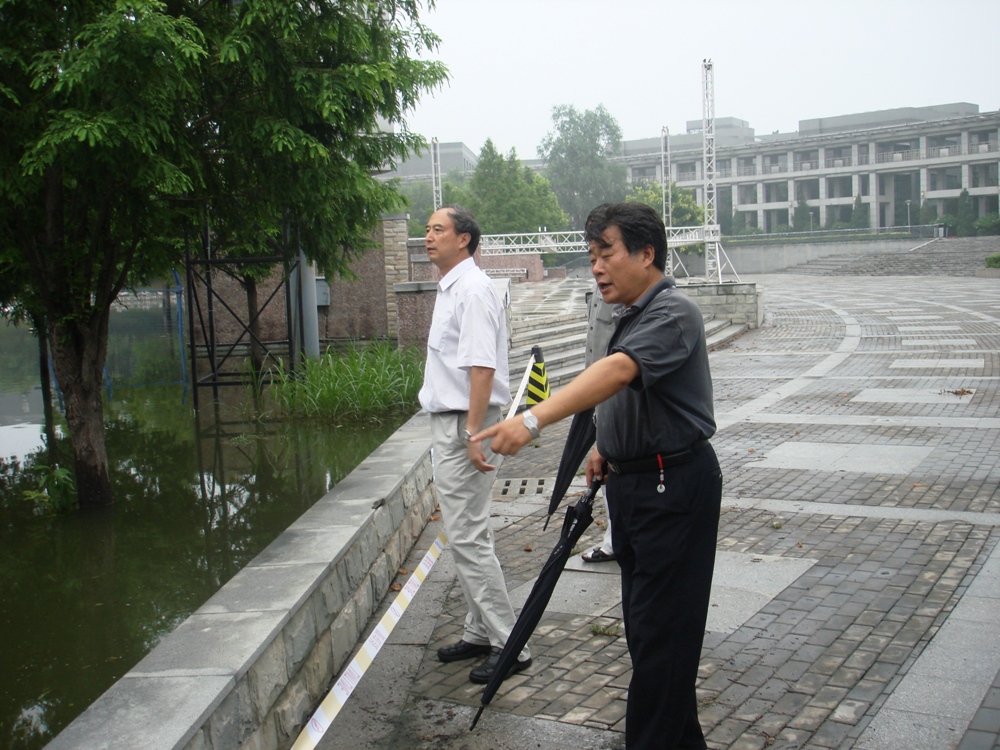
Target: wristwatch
[(531, 422), (466, 435)]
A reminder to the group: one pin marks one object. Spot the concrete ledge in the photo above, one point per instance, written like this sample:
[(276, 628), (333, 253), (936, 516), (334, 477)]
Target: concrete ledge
[(988, 273), (245, 670), (737, 302)]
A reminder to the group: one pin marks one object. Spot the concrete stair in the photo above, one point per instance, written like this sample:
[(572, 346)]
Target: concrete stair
[(960, 256), (563, 341)]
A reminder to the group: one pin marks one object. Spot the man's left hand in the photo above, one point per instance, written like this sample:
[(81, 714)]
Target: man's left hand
[(478, 457)]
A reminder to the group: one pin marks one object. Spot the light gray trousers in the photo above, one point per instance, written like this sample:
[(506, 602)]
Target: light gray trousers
[(465, 495)]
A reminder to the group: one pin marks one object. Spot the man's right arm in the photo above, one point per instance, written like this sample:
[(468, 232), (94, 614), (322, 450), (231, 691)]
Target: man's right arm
[(596, 384)]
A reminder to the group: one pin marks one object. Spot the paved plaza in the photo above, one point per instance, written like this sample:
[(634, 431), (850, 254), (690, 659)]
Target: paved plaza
[(856, 601)]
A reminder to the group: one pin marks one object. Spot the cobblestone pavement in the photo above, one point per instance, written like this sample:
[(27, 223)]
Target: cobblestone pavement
[(859, 435)]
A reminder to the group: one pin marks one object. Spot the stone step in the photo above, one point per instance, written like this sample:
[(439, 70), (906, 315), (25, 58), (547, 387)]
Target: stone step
[(528, 335), (725, 335), (564, 355), (944, 257)]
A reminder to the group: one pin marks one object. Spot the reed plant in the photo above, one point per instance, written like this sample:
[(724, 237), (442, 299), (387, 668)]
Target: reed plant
[(368, 384)]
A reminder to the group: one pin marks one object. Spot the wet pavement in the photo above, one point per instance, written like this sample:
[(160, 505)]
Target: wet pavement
[(856, 601)]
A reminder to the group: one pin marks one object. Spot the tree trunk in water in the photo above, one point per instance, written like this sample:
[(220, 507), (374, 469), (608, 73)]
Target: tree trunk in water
[(79, 352), (46, 383)]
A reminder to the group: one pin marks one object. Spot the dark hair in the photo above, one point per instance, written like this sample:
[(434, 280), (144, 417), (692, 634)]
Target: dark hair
[(639, 224), (465, 223)]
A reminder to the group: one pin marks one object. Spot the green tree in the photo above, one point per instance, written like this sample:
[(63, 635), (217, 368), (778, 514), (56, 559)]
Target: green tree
[(964, 221), (508, 198), (724, 211), (128, 125), (859, 214), (802, 216), (576, 160), (685, 209), (420, 202), (928, 213)]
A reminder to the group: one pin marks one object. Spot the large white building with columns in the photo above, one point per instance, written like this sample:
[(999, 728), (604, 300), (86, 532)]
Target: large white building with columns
[(896, 160)]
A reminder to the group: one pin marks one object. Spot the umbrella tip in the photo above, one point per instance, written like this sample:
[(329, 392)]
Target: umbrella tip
[(546, 524), (476, 720)]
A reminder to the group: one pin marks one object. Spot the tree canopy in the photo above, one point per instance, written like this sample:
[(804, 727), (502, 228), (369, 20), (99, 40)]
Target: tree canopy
[(128, 125), (505, 197), (576, 156), (684, 210), (508, 198)]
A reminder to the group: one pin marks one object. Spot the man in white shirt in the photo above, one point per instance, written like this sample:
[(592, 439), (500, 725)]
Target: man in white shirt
[(465, 386)]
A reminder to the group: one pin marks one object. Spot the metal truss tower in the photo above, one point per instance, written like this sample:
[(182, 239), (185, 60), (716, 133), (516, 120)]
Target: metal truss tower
[(715, 256), (436, 173)]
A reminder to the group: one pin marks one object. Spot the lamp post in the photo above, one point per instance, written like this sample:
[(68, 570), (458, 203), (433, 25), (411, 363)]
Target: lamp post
[(909, 225)]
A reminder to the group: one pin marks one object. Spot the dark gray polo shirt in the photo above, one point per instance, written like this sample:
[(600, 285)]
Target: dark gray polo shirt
[(669, 404)]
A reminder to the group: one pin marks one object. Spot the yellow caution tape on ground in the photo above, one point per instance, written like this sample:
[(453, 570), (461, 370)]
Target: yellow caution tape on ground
[(327, 711)]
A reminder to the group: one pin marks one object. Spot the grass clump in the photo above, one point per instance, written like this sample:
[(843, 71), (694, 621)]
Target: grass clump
[(368, 384), (993, 261)]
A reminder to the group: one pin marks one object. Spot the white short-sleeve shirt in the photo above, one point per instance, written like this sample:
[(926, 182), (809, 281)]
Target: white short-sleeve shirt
[(469, 329)]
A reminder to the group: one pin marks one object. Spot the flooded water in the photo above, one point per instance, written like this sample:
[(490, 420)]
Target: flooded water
[(86, 594)]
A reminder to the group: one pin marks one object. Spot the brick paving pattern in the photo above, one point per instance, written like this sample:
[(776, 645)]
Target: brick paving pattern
[(814, 665)]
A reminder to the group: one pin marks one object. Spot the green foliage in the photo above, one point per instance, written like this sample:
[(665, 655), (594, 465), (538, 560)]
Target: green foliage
[(55, 491), (724, 211), (964, 223), (371, 384), (576, 160), (989, 224), (928, 213), (130, 126), (508, 198), (859, 214), (420, 202), (802, 216), (993, 261), (684, 207)]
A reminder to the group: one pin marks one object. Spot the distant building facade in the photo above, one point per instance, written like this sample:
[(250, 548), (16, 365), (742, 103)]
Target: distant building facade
[(896, 160), (417, 168)]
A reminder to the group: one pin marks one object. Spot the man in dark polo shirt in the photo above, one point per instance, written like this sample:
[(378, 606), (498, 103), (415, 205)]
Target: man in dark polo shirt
[(661, 474)]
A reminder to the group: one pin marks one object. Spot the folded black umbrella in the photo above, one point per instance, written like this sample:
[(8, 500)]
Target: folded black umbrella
[(578, 518), (579, 440)]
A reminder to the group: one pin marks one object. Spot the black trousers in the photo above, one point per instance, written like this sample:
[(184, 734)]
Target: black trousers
[(665, 543)]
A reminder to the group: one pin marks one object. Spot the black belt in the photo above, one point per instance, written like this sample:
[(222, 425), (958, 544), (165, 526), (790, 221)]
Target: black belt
[(657, 461)]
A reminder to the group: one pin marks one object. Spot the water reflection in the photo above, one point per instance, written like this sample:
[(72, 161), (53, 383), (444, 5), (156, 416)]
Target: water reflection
[(86, 595)]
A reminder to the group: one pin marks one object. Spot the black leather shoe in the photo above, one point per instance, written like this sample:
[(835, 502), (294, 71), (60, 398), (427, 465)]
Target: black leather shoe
[(482, 674), (462, 650)]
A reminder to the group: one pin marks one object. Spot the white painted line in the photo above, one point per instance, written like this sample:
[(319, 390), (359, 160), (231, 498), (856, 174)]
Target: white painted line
[(864, 511), (848, 457), (912, 364), (915, 396), (334, 701), (914, 329), (939, 342)]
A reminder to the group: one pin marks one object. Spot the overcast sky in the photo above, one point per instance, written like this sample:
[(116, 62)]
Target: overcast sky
[(776, 62)]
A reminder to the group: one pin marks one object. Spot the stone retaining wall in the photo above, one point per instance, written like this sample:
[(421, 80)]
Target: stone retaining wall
[(737, 301), (246, 670)]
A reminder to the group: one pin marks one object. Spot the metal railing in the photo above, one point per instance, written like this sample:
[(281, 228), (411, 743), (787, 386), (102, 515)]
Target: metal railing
[(889, 156), (839, 161), (571, 242)]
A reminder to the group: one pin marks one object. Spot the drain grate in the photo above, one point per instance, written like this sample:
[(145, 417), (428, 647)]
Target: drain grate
[(520, 487)]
